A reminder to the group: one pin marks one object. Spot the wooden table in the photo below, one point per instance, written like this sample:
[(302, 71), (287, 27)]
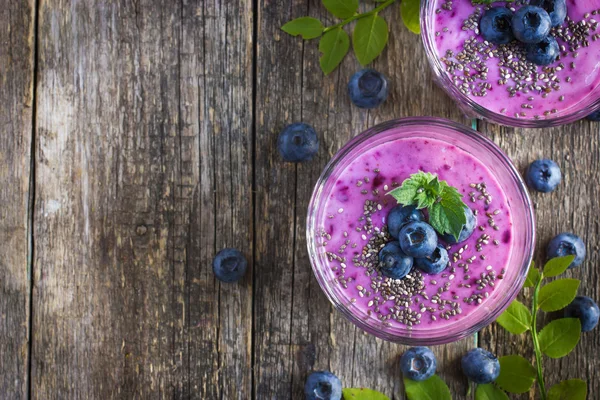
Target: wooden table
[(139, 138)]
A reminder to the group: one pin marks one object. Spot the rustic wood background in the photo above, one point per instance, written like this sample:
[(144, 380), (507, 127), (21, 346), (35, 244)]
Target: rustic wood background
[(138, 137)]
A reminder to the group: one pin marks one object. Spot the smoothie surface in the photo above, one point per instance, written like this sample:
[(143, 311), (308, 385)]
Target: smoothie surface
[(354, 228)]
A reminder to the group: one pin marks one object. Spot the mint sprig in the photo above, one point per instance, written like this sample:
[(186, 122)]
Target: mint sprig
[(443, 202), (370, 35), (555, 340)]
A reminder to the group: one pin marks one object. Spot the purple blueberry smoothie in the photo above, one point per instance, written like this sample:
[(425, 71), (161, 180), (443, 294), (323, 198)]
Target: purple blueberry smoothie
[(499, 79), (350, 228)]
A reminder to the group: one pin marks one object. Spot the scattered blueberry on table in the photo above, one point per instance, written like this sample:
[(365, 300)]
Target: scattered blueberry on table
[(323, 385), (298, 142), (480, 366), (566, 244), (229, 265), (434, 263), (595, 116), (543, 175), (368, 88), (418, 239), (418, 363), (586, 310), (496, 25), (466, 231), (400, 216), (531, 24), (393, 262)]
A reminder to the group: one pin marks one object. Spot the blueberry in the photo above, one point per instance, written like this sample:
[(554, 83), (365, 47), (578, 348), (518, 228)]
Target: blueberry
[(435, 263), (557, 9), (418, 363), (595, 116), (298, 142), (417, 239), (566, 244), (544, 52), (229, 265), (586, 310), (496, 25), (531, 24), (543, 175), (400, 216), (480, 366), (323, 385), (368, 88), (393, 262), (467, 230)]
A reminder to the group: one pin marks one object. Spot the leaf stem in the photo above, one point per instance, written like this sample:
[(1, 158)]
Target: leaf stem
[(536, 342), (359, 16)]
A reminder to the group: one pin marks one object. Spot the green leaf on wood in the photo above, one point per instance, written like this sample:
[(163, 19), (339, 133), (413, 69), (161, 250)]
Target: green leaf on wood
[(489, 392), (363, 394), (560, 337), (532, 276), (516, 318), (341, 8), (369, 38), (409, 10), (334, 45), (572, 389), (558, 294), (307, 27), (433, 388), (516, 374), (558, 265)]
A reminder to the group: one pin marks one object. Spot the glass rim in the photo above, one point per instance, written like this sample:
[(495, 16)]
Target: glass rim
[(439, 335), (585, 108)]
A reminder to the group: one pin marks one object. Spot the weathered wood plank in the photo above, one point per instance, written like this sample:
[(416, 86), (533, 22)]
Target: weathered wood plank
[(17, 48), (571, 208)]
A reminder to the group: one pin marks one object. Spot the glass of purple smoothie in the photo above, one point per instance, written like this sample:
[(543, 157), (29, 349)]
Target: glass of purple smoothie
[(496, 82), (346, 227)]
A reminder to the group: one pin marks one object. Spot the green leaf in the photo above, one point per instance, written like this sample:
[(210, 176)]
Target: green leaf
[(341, 8), (334, 45), (532, 276), (560, 337), (558, 294), (516, 374), (409, 10), (489, 392), (572, 389), (516, 319), (448, 215), (363, 394), (369, 38), (433, 388), (307, 27), (558, 265)]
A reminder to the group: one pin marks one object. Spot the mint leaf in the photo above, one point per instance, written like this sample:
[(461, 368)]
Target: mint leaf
[(448, 215), (572, 389), (558, 294), (516, 374), (334, 45), (516, 319), (341, 8), (489, 392), (433, 388), (560, 336), (533, 276), (369, 38), (558, 265), (363, 394), (409, 11), (307, 27), (406, 193), (424, 200)]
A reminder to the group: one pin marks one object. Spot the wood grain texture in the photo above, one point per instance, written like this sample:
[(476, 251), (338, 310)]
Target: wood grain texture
[(571, 208), (17, 46)]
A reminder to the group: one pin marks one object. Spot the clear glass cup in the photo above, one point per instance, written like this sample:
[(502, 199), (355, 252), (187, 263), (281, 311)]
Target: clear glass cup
[(508, 178), (584, 107)]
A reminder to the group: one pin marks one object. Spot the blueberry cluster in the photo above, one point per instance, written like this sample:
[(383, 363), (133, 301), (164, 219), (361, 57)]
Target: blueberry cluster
[(416, 243), (530, 25)]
